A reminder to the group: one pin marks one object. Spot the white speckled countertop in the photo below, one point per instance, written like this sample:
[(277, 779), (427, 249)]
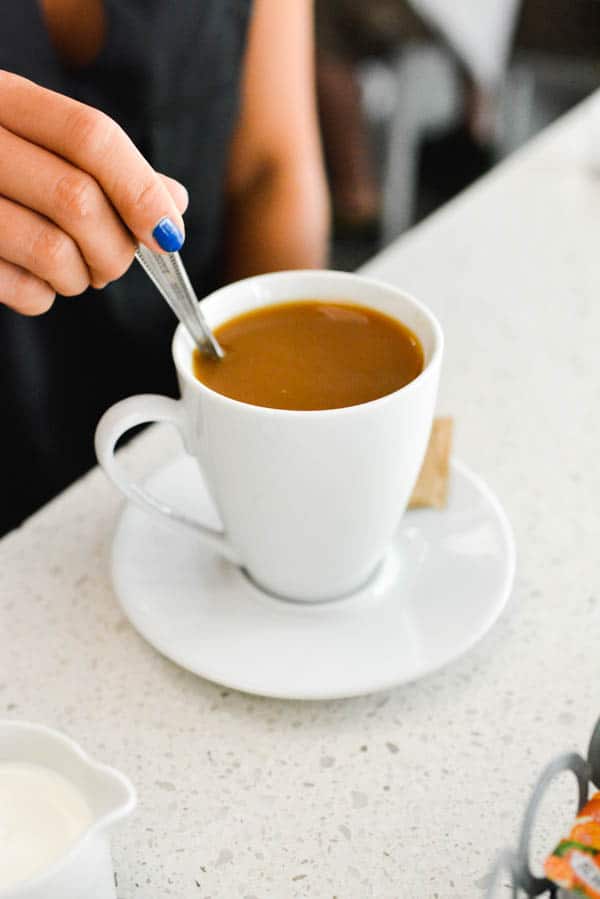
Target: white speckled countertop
[(402, 795)]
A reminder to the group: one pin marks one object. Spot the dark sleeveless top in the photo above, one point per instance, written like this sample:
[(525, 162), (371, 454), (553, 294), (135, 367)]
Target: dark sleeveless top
[(169, 74)]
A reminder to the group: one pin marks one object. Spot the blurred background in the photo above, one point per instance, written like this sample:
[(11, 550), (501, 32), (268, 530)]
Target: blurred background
[(418, 98)]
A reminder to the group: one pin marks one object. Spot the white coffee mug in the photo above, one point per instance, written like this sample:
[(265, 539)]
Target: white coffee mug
[(309, 500)]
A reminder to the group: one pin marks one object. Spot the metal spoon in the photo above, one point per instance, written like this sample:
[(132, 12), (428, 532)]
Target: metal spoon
[(167, 272)]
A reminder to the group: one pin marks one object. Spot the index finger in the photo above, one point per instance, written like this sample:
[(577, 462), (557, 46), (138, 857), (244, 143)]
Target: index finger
[(94, 143)]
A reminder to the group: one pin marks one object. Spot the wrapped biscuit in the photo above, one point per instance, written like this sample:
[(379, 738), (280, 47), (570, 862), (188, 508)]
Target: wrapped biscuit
[(575, 863), (431, 489)]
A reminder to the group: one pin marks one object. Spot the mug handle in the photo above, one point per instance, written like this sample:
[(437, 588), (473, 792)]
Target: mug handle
[(139, 410)]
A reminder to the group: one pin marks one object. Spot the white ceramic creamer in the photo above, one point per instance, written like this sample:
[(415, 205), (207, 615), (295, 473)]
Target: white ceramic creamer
[(42, 815), (56, 811)]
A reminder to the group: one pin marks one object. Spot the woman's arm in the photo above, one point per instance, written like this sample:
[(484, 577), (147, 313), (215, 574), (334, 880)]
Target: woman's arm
[(278, 207)]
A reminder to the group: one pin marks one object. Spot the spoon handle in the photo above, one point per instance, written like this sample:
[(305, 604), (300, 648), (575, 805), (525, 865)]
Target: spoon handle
[(168, 274)]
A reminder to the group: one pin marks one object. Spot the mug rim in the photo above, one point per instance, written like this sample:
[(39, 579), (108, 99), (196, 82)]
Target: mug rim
[(181, 337)]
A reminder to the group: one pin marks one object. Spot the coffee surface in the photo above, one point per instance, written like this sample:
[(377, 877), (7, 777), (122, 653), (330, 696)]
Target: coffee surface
[(311, 354)]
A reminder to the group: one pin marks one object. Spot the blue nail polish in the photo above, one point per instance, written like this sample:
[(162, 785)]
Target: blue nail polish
[(168, 236)]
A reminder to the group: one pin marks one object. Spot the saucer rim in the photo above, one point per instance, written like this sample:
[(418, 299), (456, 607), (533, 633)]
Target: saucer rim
[(504, 592)]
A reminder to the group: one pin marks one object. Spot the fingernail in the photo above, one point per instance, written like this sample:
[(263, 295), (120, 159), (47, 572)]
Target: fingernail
[(168, 236)]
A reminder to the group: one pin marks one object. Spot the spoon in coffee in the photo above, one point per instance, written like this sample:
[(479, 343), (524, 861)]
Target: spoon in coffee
[(167, 273)]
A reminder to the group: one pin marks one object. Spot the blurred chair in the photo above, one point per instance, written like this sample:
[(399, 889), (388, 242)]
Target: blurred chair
[(555, 63), (426, 90), (358, 46), (435, 81)]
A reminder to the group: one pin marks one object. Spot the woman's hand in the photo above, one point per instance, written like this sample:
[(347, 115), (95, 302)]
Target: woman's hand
[(75, 197)]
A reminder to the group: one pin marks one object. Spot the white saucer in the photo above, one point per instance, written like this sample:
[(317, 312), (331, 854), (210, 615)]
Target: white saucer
[(441, 587)]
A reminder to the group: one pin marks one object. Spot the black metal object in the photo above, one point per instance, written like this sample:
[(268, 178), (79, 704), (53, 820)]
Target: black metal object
[(514, 864)]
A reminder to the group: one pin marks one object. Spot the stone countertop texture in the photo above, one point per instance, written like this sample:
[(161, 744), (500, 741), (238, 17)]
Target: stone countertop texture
[(407, 794)]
